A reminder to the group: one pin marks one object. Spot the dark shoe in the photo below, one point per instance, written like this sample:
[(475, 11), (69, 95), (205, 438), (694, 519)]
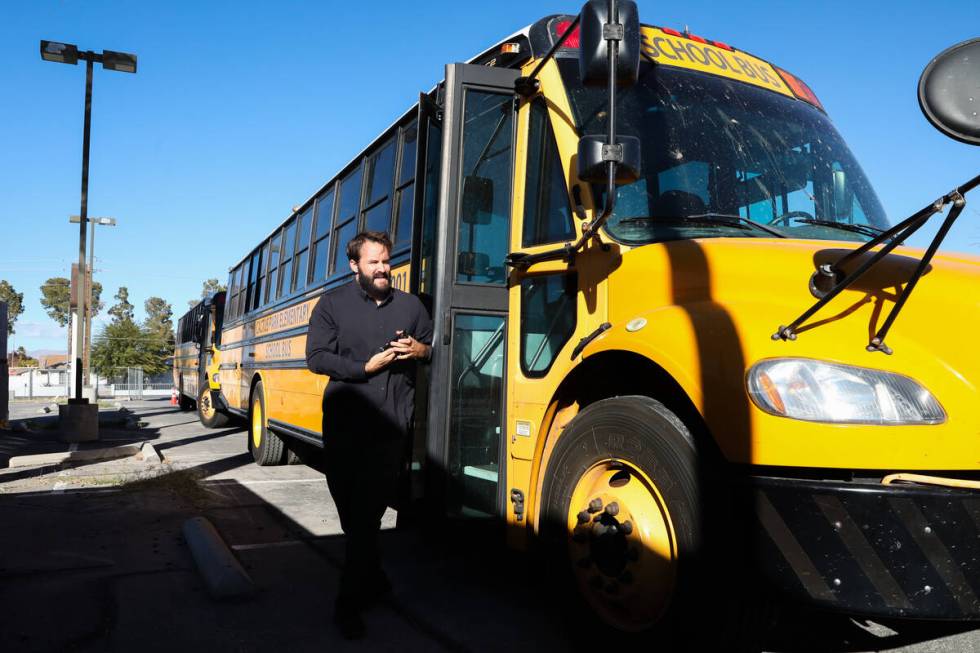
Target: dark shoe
[(348, 620)]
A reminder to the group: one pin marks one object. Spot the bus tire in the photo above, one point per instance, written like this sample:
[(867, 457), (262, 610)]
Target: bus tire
[(183, 401), (621, 518), (209, 415), (266, 447)]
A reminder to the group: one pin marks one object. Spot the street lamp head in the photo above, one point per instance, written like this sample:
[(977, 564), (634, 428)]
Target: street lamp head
[(123, 62), (108, 222), (59, 52)]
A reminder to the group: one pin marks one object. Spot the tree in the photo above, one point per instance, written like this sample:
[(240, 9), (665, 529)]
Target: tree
[(55, 295), (20, 358), (14, 301), (122, 310), (122, 343), (209, 286), (159, 327)]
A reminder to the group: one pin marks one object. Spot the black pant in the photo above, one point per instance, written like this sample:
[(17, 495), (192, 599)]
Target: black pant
[(362, 474)]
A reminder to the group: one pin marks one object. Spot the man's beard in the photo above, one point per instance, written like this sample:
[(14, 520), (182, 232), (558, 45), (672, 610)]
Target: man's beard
[(367, 284)]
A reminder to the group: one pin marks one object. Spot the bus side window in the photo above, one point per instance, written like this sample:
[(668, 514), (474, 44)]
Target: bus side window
[(349, 198), (405, 192), (270, 293), (303, 225), (321, 236), (547, 217), (286, 259), (381, 170)]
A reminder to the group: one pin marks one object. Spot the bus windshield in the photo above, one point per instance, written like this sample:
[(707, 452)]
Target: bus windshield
[(717, 154)]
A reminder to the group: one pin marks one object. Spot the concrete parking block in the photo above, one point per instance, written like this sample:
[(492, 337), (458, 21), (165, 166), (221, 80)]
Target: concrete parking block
[(81, 455)]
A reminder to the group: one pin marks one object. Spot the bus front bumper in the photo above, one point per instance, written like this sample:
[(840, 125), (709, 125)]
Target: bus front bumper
[(870, 549)]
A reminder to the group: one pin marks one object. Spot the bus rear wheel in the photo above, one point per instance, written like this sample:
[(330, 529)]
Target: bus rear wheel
[(266, 447), (620, 513), (209, 414)]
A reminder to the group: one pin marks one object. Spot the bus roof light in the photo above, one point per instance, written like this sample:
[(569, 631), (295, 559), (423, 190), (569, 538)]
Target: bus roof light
[(511, 48), (799, 88)]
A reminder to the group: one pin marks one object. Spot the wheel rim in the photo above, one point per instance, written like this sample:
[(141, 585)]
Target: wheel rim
[(622, 547), (207, 410), (257, 423)]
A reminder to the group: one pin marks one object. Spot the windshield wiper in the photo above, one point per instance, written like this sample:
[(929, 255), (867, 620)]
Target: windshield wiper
[(707, 219), (863, 229), (830, 279)]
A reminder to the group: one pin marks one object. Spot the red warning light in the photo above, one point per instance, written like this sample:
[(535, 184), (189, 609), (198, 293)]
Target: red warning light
[(573, 39)]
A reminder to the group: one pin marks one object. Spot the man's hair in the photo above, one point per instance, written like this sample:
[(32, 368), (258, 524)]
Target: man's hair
[(354, 246)]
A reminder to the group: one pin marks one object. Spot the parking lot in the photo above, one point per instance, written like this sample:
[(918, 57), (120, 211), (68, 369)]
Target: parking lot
[(93, 558)]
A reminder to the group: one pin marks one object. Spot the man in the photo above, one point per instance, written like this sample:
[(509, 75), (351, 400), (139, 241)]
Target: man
[(366, 336)]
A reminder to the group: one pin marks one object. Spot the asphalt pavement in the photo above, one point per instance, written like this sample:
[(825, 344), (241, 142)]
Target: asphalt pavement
[(93, 558)]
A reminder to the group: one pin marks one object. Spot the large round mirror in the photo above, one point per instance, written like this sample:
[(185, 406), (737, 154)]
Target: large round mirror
[(949, 92)]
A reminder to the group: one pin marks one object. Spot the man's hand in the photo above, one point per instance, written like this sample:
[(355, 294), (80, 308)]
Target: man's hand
[(380, 361), (408, 347)]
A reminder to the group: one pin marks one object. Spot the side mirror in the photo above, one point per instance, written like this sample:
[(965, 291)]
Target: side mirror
[(477, 205), (593, 167), (593, 49), (949, 92), (843, 197)]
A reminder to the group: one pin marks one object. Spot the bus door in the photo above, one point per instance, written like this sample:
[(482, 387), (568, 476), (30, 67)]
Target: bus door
[(466, 401)]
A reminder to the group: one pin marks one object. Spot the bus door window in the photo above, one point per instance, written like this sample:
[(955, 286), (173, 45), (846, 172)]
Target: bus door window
[(484, 217), (430, 209), (475, 418)]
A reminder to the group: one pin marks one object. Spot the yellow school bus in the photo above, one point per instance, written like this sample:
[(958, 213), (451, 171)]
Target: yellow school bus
[(197, 357), (618, 375)]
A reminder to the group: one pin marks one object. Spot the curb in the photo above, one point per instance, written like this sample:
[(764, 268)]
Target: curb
[(218, 566), (60, 457)]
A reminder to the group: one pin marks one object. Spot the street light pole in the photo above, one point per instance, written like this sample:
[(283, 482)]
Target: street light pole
[(110, 60), (78, 345)]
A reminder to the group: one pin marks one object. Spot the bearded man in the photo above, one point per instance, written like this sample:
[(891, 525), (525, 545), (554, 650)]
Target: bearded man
[(366, 336)]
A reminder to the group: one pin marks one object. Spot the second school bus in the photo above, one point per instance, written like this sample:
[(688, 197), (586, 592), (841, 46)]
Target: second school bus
[(607, 394)]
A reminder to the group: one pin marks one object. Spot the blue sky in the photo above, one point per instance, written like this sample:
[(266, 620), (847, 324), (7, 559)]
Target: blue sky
[(241, 110)]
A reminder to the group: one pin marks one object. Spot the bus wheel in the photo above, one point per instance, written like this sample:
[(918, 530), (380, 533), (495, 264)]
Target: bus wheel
[(210, 416), (266, 447), (620, 512)]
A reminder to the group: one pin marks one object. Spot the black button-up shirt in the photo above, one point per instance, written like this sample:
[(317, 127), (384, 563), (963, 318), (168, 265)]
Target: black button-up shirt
[(346, 329)]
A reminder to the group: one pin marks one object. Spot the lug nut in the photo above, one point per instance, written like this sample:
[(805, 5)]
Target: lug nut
[(595, 505), (612, 509), (598, 530), (583, 516), (580, 538), (627, 527)]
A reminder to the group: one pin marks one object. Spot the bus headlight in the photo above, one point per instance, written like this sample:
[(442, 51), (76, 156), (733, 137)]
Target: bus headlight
[(815, 391)]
